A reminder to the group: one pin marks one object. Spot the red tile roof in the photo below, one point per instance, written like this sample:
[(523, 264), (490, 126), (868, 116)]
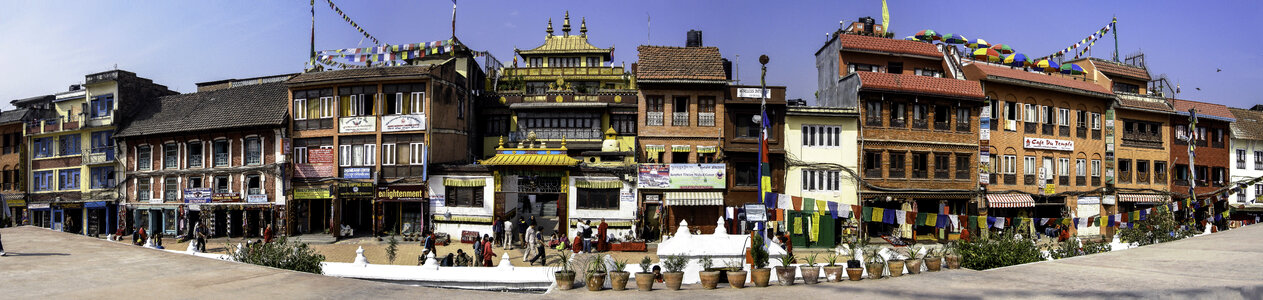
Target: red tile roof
[(1038, 78), (1203, 108), (1119, 69), (687, 63), (872, 43), (1249, 124), (1143, 102), (920, 84)]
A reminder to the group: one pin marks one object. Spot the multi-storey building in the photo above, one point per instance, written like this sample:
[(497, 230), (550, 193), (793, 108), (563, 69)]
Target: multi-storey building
[(740, 148), (1247, 161), (73, 170), (568, 104), (12, 164), (214, 157), (820, 147), (1209, 160), (681, 98)]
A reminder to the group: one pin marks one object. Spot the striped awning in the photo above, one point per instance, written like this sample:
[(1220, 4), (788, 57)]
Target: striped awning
[(1010, 200), (693, 198), (1141, 198), (657, 148), (585, 183), (706, 149), (464, 182), (681, 148)]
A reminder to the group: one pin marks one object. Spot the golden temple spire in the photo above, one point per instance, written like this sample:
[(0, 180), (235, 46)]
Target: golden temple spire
[(583, 26), (550, 27), (565, 27)]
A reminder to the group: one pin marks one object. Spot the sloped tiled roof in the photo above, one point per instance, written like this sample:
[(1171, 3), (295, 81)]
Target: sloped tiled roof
[(359, 73), (1053, 82), (1215, 111), (920, 84), (688, 63), (1143, 102), (11, 116), (238, 107), (1249, 124), (1119, 69), (880, 44)]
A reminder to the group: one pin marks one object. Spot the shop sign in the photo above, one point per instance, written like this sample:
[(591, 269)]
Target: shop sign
[(311, 193), (753, 93), (38, 206), (403, 122), (357, 173), (682, 176), (756, 213), (627, 197), (1109, 200), (15, 202), (226, 197), (401, 193), (357, 124), (1089, 200), (257, 198), (437, 200), (197, 195), (319, 164), (356, 190), (1048, 144)]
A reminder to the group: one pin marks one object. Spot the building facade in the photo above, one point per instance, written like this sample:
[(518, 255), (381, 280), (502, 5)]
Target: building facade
[(1247, 161), (1209, 159), (821, 154), (12, 166)]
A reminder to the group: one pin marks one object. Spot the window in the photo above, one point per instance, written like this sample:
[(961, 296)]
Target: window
[(1126, 88), (1010, 165), (416, 153), (1046, 114), (254, 184), (1010, 111), (872, 113), (820, 180), (942, 165), (222, 184), (747, 173), (43, 147), (851, 68), (195, 182), (300, 109), (746, 128), (1082, 119), (898, 115), (654, 108), (898, 164), (254, 151), (1181, 175), (1028, 165), (1031, 116), (962, 165), (942, 117), (1124, 170), (536, 62), (300, 155), (1142, 171), (1159, 171), (1258, 160), (597, 199), (357, 154), (594, 62), (705, 111), (464, 196), (1096, 168), (626, 124), (415, 103), (821, 136), (1063, 166), (170, 156), (1063, 116), (929, 72), (69, 144), (387, 158), (194, 150), (171, 189), (221, 150), (143, 191), (1096, 121), (894, 67), (102, 177), (144, 158), (963, 119), (920, 165), (920, 116), (1240, 158), (1080, 168), (872, 164), (326, 107), (102, 106), (68, 179), (680, 111)]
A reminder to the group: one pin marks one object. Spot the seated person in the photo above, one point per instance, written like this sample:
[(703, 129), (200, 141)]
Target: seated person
[(448, 260), (462, 259)]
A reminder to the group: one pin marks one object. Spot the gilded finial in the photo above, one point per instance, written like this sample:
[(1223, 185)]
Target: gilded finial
[(563, 142), (550, 27), (565, 26), (583, 26), (501, 142)]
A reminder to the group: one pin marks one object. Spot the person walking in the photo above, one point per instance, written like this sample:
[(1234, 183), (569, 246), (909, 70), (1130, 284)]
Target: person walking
[(508, 239), (530, 242), (521, 229), (497, 229), (487, 254), (539, 248), (601, 236), (478, 252), (201, 237)]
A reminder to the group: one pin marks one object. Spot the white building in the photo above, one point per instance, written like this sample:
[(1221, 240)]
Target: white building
[(1246, 162)]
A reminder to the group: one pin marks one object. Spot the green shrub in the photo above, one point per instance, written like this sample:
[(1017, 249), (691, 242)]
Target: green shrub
[(997, 250), (393, 249), (758, 253), (1072, 248), (1156, 228), (674, 263), (280, 254)]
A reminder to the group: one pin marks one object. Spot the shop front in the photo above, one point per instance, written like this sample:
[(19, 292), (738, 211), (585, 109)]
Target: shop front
[(157, 217), (41, 215), (311, 210), (16, 210), (354, 210), (596, 198), (682, 192), (404, 208), (461, 205)]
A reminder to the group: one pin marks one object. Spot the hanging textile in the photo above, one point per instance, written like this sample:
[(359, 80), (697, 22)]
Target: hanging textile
[(815, 228), (798, 225)]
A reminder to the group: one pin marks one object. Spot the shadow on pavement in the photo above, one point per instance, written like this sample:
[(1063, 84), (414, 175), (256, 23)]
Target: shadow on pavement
[(35, 254)]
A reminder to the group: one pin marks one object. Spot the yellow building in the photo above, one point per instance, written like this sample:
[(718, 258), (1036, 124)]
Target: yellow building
[(820, 147)]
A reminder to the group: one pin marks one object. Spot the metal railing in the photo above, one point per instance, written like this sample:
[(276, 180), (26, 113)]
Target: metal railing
[(705, 119), (679, 119), (653, 118), (556, 134), (942, 125), (920, 124), (872, 173)]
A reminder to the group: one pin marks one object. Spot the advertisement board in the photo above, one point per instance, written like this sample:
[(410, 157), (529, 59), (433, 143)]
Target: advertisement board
[(256, 198), (319, 164), (357, 124), (225, 197), (197, 195), (357, 173), (682, 176), (356, 190), (311, 193), (403, 122), (401, 193), (1047, 144)]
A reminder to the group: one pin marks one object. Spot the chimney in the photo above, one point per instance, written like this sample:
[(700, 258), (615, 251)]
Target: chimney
[(694, 38), (727, 68)]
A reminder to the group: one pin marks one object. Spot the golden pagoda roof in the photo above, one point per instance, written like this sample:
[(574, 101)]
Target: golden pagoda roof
[(530, 160), (567, 43)]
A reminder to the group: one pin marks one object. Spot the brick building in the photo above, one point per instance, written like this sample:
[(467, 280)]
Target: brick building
[(1210, 157), (12, 166)]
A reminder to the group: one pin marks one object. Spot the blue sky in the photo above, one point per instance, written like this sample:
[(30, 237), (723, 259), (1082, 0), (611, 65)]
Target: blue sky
[(47, 45)]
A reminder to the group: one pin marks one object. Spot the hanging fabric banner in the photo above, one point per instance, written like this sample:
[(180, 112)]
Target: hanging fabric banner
[(1088, 41)]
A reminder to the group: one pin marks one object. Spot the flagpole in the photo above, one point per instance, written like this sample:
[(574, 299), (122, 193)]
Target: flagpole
[(763, 59)]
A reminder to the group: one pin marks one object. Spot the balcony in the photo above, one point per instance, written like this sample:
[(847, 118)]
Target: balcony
[(1031, 127), (680, 119), (894, 123), (1258, 164), (1010, 179), (964, 127), (941, 174), (1081, 132), (653, 118), (920, 174), (221, 159), (99, 155), (897, 173), (571, 134), (920, 124), (962, 174), (705, 119)]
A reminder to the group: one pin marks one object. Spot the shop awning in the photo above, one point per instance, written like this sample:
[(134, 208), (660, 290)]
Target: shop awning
[(584, 183), (530, 160), (464, 182), (655, 148), (1010, 200), (706, 149), (681, 148), (693, 198), (1141, 198)]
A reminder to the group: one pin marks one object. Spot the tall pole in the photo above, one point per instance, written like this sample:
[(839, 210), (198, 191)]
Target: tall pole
[(1192, 145), (763, 59)]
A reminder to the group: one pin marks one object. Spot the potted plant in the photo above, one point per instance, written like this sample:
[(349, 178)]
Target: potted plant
[(952, 257), (595, 274), (759, 273), (618, 277), (895, 264), (565, 276), (833, 271), (644, 278), (674, 275), (736, 275), (786, 273), (914, 260), (811, 272), (709, 277), (875, 265), (933, 260)]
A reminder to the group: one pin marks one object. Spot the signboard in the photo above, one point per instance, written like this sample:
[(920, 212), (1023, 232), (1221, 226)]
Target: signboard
[(753, 93), (1109, 200), (437, 200), (403, 122), (1050, 189), (38, 206), (756, 212), (682, 176), (984, 133), (357, 124), (356, 189), (320, 156), (319, 164), (225, 197), (256, 198), (1089, 200), (627, 197), (984, 178), (357, 173), (409, 193), (197, 195), (311, 193), (1048, 144)]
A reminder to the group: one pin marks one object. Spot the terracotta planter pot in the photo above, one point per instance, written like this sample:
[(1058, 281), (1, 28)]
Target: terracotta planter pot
[(914, 265), (737, 279), (565, 280), (934, 264), (896, 268), (596, 281), (673, 280), (811, 275), (833, 274), (875, 270), (709, 279), (644, 281), (953, 261), (786, 275), (618, 280), (855, 274), (761, 276)]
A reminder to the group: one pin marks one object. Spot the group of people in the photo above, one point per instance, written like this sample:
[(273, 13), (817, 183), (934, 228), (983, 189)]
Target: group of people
[(586, 242)]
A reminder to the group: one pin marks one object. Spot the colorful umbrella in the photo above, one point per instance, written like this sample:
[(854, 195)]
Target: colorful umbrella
[(928, 35), (1045, 65), (1002, 48), (955, 39), (987, 54), (1017, 60), (978, 43), (1072, 69), (911, 38)]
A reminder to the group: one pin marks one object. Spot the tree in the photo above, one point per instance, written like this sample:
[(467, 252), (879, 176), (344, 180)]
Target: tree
[(392, 249)]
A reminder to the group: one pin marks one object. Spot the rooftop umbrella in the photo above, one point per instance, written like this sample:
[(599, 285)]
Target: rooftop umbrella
[(955, 39), (1072, 69), (928, 35), (1002, 48), (1017, 60), (978, 43), (911, 38), (987, 54), (1045, 65)]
